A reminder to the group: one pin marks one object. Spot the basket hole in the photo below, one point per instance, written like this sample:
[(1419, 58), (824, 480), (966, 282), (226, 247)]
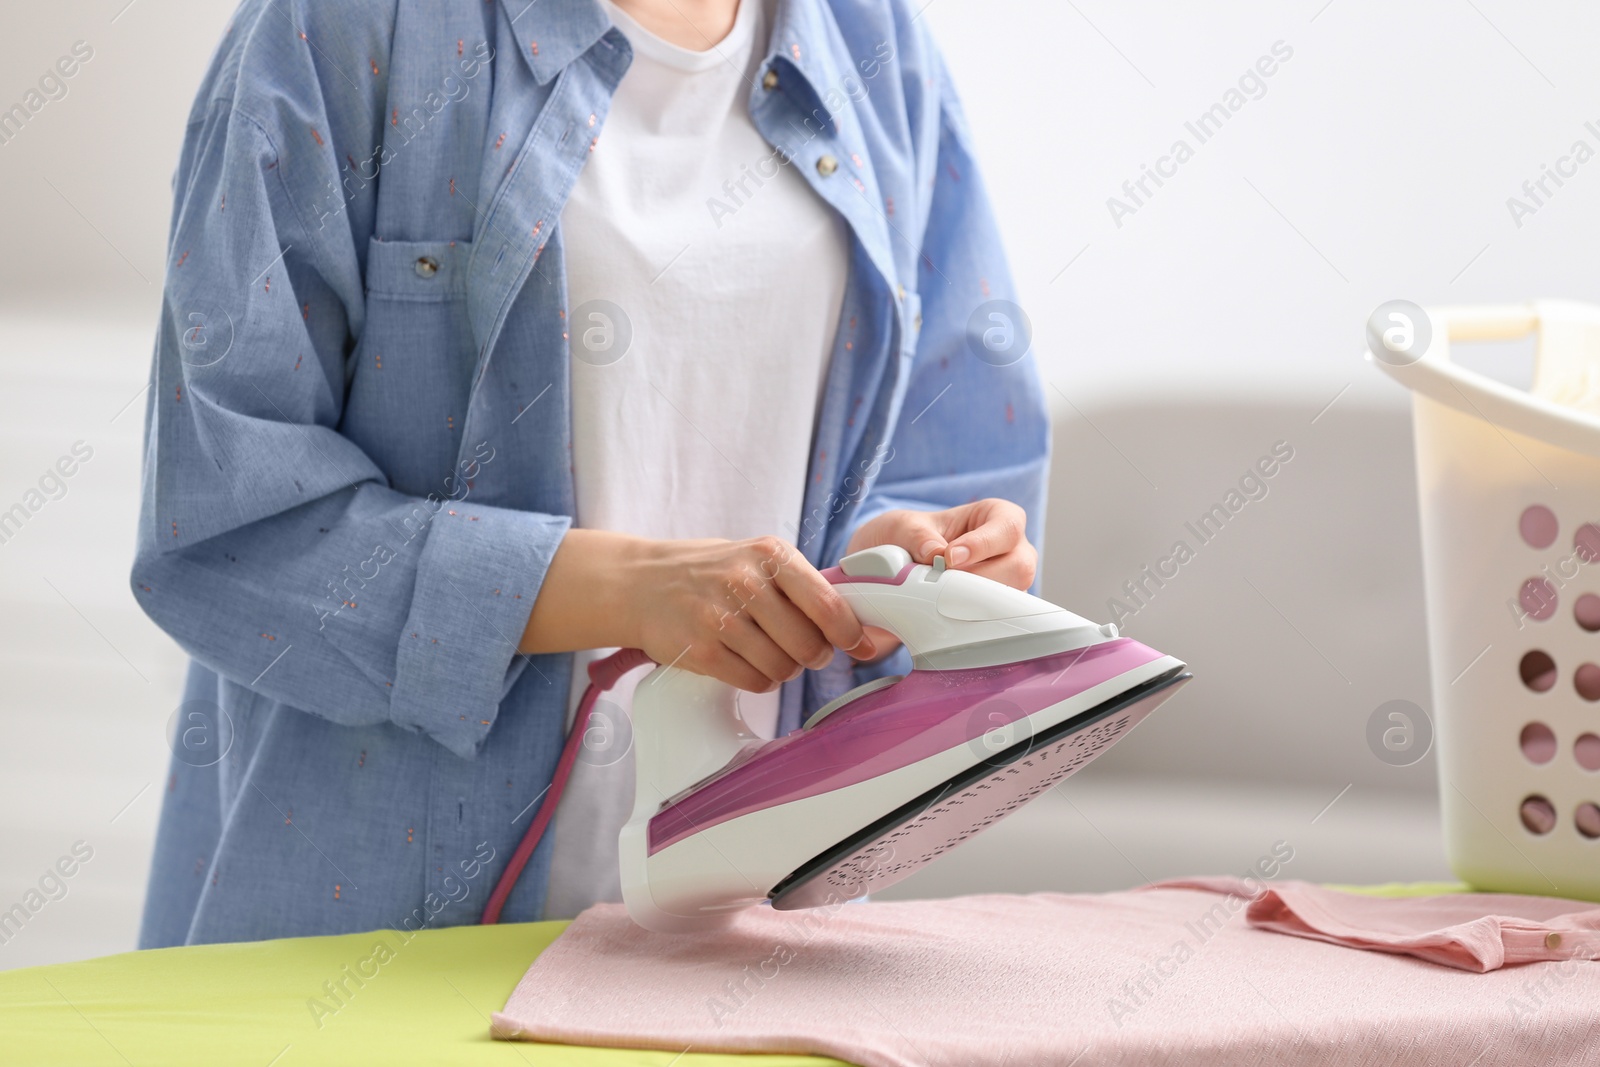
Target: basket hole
[(1538, 526), (1587, 612), (1586, 679), (1588, 819), (1586, 542), (1538, 742), (1538, 815), (1587, 752), (1538, 598), (1538, 671)]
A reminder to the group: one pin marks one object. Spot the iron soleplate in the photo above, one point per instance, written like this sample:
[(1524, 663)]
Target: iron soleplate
[(923, 829)]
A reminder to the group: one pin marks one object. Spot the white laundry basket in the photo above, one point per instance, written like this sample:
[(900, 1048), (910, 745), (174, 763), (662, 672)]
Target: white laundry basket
[(1509, 486)]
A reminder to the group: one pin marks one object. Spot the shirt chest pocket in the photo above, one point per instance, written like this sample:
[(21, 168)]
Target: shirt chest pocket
[(408, 380), (417, 317)]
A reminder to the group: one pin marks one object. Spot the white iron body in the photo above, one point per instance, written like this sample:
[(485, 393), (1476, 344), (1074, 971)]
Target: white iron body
[(1009, 694)]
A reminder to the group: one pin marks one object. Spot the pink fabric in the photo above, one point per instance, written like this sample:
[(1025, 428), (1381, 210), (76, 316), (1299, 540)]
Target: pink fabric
[(1470, 931), (1164, 975)]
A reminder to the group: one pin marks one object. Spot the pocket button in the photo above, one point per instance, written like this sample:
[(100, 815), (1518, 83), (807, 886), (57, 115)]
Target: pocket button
[(427, 267)]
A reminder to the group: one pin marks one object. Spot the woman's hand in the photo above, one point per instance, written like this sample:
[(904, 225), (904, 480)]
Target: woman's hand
[(987, 537), (750, 613)]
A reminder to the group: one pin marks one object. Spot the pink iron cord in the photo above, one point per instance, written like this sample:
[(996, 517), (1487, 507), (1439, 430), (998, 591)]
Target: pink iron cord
[(603, 674)]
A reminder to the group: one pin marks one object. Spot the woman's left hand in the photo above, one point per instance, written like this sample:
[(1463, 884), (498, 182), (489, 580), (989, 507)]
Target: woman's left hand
[(987, 537)]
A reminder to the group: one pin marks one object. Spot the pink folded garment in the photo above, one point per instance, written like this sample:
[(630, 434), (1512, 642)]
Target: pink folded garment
[(1471, 931), (1165, 975)]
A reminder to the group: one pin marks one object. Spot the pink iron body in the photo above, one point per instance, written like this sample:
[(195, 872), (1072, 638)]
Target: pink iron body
[(1009, 694)]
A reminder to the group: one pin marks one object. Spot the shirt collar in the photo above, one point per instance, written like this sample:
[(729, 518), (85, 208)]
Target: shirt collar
[(806, 43), (555, 34), (801, 37), (565, 29)]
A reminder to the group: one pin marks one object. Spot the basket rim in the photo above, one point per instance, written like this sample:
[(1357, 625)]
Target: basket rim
[(1473, 393)]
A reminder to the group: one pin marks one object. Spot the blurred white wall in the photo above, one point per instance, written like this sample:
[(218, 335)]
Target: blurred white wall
[(1222, 315), (90, 683)]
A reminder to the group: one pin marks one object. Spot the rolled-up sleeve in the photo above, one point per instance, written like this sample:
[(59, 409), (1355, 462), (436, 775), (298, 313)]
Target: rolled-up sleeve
[(270, 546)]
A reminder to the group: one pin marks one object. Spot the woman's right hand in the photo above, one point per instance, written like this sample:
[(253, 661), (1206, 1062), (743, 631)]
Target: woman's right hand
[(750, 613)]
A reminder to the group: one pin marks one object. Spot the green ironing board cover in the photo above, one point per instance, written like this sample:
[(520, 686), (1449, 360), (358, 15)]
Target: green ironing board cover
[(425, 999), (427, 1002)]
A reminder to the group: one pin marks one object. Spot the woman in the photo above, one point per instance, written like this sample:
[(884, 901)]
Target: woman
[(498, 332)]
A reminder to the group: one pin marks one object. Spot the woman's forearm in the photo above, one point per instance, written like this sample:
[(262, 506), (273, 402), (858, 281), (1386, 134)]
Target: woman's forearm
[(584, 601), (750, 612)]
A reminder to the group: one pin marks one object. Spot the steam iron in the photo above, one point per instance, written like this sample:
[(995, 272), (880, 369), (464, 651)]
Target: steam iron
[(1008, 695)]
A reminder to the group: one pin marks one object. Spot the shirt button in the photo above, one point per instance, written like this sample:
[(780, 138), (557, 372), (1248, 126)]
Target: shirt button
[(1552, 940), (427, 267), (827, 165), (769, 80), (902, 292), (916, 323)]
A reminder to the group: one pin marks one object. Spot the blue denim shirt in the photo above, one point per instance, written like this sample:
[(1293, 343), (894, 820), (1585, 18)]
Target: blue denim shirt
[(357, 460)]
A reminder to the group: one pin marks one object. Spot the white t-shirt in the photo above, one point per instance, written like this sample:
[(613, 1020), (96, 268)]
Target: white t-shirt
[(705, 280)]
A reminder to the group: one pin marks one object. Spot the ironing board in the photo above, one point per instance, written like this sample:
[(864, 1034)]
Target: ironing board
[(428, 1002)]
